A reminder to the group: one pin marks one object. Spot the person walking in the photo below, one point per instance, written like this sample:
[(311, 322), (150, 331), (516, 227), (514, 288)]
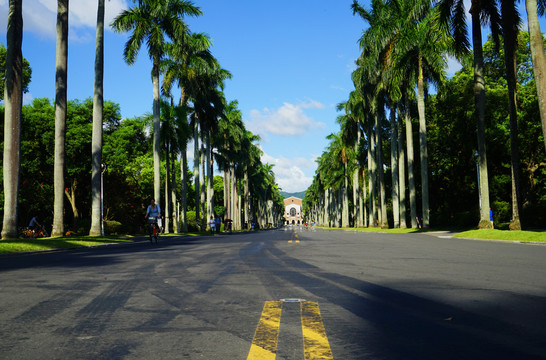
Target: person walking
[(218, 223), (212, 224)]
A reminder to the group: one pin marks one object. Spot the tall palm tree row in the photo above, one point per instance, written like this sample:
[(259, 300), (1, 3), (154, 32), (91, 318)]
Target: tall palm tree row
[(155, 22), (184, 59), (404, 51), (405, 47), (453, 13)]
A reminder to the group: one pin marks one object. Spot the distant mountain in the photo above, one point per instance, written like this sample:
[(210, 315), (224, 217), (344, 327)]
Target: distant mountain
[(299, 195)]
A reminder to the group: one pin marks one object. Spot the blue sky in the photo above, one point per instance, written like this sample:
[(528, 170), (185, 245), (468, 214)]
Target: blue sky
[(291, 62)]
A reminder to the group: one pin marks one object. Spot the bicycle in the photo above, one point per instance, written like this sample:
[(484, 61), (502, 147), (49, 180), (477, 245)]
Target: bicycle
[(28, 233), (153, 229)]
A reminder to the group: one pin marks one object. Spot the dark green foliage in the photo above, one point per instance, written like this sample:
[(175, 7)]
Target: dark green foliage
[(452, 144), (128, 181), (27, 72), (192, 222)]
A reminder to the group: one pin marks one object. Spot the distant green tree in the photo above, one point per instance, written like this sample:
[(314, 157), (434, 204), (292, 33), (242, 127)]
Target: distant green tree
[(453, 160), (27, 72)]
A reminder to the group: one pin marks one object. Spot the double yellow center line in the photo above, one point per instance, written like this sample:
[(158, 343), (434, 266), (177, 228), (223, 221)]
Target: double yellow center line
[(315, 342)]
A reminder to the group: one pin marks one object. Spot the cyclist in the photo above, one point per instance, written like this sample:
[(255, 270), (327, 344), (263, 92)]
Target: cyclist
[(153, 211), (34, 225)]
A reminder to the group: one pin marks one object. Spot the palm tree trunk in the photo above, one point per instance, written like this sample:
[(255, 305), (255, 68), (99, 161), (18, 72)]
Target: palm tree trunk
[(394, 166), (238, 207), (233, 195), (356, 192), (423, 147), (60, 116), (402, 173), (372, 177), (210, 175), (167, 209), (510, 32), (13, 102), (345, 194), (539, 60), (157, 131), (205, 218), (247, 198), (380, 172), (227, 192), (479, 100), (96, 142), (183, 189), (362, 200), (174, 212), (411, 178), (197, 186)]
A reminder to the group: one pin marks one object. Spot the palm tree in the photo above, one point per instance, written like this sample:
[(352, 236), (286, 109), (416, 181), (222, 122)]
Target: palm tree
[(13, 101), (337, 174), (232, 151), (189, 58), (481, 11), (510, 30), (351, 125), (154, 22), (368, 81), (96, 147), (169, 139), (184, 134), (539, 60), (60, 116)]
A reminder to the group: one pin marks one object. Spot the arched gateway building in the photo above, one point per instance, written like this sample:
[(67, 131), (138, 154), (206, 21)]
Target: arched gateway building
[(293, 212)]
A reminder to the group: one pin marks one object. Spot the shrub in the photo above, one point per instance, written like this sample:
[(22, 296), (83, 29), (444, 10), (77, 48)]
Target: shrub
[(112, 227)]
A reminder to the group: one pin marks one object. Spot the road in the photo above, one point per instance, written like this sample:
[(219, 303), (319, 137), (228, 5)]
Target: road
[(288, 293)]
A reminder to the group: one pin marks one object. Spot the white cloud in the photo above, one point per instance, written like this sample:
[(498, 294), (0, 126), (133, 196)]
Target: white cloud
[(288, 120), (290, 174)]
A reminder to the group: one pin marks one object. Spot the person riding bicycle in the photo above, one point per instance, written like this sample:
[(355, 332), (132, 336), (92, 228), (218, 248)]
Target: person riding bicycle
[(34, 224), (153, 211)]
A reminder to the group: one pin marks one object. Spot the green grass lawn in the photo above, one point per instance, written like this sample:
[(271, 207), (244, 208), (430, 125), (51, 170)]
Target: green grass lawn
[(19, 245), (524, 235)]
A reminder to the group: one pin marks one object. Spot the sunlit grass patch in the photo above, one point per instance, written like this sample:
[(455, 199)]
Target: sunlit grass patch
[(494, 234), (19, 245)]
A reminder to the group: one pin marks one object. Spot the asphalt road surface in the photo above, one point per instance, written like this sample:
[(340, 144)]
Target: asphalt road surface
[(284, 294)]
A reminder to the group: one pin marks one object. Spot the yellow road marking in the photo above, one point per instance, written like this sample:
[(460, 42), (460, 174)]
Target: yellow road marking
[(315, 342), (264, 344)]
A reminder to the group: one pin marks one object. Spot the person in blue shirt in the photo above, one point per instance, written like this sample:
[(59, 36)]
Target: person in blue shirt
[(34, 224), (155, 211)]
